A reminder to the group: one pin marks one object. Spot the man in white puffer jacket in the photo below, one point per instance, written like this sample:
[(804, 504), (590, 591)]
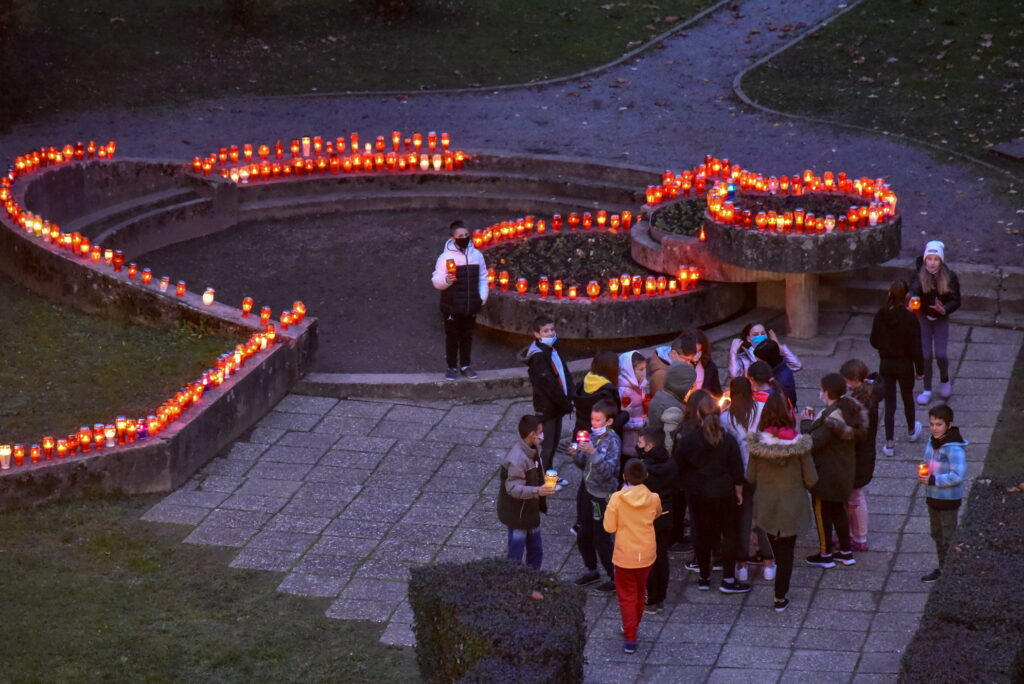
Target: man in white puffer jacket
[(460, 273)]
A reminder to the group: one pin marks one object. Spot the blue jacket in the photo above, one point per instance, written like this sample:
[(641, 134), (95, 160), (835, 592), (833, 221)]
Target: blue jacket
[(947, 463), (601, 471)]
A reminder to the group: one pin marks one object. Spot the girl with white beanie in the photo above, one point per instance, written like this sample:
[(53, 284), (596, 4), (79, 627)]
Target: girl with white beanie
[(937, 289)]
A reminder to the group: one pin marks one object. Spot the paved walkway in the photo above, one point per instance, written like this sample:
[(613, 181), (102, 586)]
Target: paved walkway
[(666, 109), (342, 497)]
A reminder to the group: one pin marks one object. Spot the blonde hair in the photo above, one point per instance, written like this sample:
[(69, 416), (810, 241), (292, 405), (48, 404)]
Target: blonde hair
[(939, 281)]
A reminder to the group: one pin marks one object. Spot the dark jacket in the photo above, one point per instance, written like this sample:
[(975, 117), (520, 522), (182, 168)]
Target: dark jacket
[(950, 301), (549, 399), (864, 445), (662, 475), (770, 352), (712, 383), (469, 291), (833, 453), (708, 471), (585, 401), (784, 374), (896, 334), (521, 476)]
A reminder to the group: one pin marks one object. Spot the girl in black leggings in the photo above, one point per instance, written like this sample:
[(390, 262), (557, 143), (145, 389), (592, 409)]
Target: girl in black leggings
[(896, 334)]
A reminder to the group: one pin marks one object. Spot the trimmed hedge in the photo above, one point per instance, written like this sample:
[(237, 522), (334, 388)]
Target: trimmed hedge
[(973, 624), (478, 622)]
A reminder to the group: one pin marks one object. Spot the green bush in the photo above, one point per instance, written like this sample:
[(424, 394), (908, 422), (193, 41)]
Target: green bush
[(481, 622), (973, 624)]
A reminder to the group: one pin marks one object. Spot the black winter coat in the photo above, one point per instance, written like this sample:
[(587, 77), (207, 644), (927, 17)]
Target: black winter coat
[(896, 334), (549, 400), (662, 475), (705, 470), (864, 445)]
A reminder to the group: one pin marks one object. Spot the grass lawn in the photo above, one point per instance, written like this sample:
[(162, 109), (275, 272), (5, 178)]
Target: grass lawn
[(123, 53), (63, 369), (90, 593), (946, 71)]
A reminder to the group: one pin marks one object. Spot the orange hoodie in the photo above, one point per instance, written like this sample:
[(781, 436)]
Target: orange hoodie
[(630, 516)]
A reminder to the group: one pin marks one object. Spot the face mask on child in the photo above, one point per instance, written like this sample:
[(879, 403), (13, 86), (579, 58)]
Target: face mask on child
[(823, 396), (597, 432), (549, 340), (757, 339)]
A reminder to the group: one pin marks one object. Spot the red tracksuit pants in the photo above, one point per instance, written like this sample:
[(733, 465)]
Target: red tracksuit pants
[(631, 588)]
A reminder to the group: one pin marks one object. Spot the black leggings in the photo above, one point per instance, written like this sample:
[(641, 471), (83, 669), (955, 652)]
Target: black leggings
[(906, 385), (657, 580), (458, 338), (714, 519), (831, 515), (783, 548)]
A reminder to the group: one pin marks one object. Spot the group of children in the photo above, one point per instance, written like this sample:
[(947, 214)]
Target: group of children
[(662, 448)]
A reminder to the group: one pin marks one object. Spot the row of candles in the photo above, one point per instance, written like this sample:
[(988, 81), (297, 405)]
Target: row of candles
[(122, 430), (617, 287), (312, 155), (798, 221), (526, 226)]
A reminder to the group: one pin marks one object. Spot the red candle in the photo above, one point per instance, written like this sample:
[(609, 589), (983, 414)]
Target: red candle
[(522, 286), (179, 289), (247, 303), (544, 286), (593, 290), (264, 315)]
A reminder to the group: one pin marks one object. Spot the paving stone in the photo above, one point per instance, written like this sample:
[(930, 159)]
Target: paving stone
[(416, 531), (218, 535), (279, 471), (247, 451), (269, 487), (859, 581), (352, 609), (834, 599), (221, 483), (403, 614), (483, 418), (351, 459), (478, 454), (827, 618), (389, 570), (328, 508), (301, 584), (357, 547), (323, 491), (298, 403), (298, 447), (373, 445), (227, 467), (915, 561), (754, 635), (337, 476), (398, 634), (360, 409), (672, 674), (903, 603), (752, 656), (457, 435), (611, 673), (984, 369), (725, 675), (288, 421), (298, 523), (326, 564), (282, 541), (695, 633), (265, 559), (376, 494), (501, 440), (418, 448), (397, 550), (415, 414), (830, 639), (409, 464), (887, 663), (340, 428), (266, 435), (808, 677), (463, 554), (479, 471), (433, 515), (907, 581), (376, 512), (444, 483), (609, 649), (887, 642), (764, 615), (403, 430), (823, 661), (895, 622), (897, 505), (348, 527), (173, 513), (402, 481), (862, 678), (255, 502), (241, 519), (375, 589)]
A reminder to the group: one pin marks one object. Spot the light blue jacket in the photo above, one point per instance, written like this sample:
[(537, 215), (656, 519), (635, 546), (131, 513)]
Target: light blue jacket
[(948, 467)]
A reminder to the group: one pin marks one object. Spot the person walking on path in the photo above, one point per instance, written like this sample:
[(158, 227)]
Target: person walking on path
[(741, 350), (630, 517), (936, 290), (521, 494), (945, 456), (663, 480), (598, 457), (781, 471), (896, 334), (833, 432), (460, 273), (869, 389), (552, 386)]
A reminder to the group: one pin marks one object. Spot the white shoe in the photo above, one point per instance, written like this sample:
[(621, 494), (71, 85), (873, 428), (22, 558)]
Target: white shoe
[(742, 574), (769, 572), (924, 397), (889, 449), (946, 389), (916, 433)]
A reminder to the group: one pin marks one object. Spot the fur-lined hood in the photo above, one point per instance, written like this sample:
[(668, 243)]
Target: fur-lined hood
[(771, 448), (841, 428)]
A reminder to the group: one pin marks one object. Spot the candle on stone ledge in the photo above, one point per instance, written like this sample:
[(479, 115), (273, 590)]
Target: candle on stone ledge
[(247, 304), (6, 452), (593, 290), (522, 286), (558, 289), (544, 286), (19, 454), (208, 296)]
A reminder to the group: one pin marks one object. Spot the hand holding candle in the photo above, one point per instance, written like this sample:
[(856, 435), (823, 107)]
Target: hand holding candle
[(923, 473)]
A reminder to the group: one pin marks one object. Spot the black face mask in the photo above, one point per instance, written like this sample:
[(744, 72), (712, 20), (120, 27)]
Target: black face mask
[(462, 243)]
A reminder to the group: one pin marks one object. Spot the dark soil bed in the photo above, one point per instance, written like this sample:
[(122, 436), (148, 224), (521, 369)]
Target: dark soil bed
[(575, 257), (685, 218), (365, 276)]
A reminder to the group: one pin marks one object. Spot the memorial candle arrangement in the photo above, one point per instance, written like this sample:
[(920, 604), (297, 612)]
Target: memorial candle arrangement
[(310, 156), (625, 286)]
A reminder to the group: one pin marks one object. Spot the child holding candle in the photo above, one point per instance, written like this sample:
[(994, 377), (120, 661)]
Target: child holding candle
[(521, 493), (552, 385), (896, 334), (938, 290), (464, 291), (943, 475), (630, 517)]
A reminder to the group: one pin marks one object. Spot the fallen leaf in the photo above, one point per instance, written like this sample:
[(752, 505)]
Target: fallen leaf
[(118, 20), (537, 596), (670, 20)]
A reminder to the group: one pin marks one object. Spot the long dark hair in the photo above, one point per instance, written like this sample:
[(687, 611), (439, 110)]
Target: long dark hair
[(692, 339), (709, 417), (834, 386), (776, 413), (741, 402), (690, 410), (897, 294), (857, 371), (606, 364)]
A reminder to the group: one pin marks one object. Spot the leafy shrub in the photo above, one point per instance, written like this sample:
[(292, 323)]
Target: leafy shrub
[(575, 257), (477, 622), (973, 624)]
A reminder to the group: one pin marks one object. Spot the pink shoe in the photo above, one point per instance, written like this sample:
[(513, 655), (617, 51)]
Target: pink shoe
[(858, 546)]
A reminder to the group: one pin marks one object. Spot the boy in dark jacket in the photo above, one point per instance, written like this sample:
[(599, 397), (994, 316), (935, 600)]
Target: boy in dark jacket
[(663, 480), (521, 494), (552, 386), (769, 352)]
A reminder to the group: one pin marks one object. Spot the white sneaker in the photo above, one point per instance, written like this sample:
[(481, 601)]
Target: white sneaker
[(946, 389), (889, 449), (916, 433), (769, 572), (924, 397), (742, 574)]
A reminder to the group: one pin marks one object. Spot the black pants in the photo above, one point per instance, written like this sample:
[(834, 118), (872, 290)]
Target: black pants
[(657, 580), (906, 385), (458, 338), (715, 518), (678, 516), (593, 542), (831, 515), (552, 433), (783, 548)]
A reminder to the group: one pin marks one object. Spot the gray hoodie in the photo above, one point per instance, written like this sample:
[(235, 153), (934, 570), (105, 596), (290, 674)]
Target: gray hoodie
[(678, 381)]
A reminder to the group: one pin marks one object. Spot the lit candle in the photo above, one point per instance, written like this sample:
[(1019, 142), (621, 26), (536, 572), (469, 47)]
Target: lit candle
[(613, 287), (247, 304), (48, 444), (593, 290), (118, 261), (165, 282), (922, 470), (286, 319), (544, 286), (208, 296), (121, 425), (133, 270), (522, 286), (572, 292), (110, 434), (179, 289), (85, 439), (651, 286), (5, 456), (35, 453), (62, 448), (558, 289), (503, 279), (19, 454)]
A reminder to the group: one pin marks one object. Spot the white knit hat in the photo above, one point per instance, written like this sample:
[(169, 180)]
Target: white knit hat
[(937, 248)]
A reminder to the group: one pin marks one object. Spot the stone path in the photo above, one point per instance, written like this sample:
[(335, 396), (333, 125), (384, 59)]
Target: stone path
[(667, 109), (342, 497)]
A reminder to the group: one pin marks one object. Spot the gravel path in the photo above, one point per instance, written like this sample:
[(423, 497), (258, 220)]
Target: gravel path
[(666, 108)]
